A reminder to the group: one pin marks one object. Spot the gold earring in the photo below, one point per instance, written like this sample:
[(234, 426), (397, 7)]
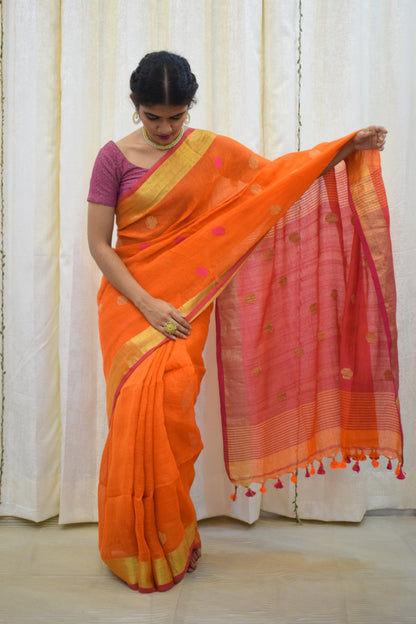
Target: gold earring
[(136, 117), (187, 119)]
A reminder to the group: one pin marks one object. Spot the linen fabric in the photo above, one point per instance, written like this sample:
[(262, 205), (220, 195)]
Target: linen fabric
[(307, 336), (185, 230)]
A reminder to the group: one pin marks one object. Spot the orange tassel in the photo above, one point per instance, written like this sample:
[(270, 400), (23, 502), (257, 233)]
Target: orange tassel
[(334, 464), (375, 463), (233, 497), (312, 469), (262, 489), (293, 478), (342, 464)]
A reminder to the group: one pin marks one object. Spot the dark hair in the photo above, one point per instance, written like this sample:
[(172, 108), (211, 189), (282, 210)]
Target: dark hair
[(163, 78)]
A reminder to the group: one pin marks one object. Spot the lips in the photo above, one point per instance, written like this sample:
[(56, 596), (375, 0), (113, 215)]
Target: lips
[(164, 137)]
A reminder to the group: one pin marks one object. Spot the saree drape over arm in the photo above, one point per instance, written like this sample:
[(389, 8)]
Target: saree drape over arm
[(293, 384)]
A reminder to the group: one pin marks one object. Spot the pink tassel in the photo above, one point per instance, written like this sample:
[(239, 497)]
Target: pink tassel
[(278, 485), (307, 472), (356, 466), (389, 466), (321, 469), (348, 459), (250, 492), (401, 474)]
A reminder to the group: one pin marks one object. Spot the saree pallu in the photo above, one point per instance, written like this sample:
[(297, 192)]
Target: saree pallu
[(185, 230)]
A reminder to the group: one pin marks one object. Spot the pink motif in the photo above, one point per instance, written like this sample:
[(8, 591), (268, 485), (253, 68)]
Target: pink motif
[(218, 230), (144, 245), (201, 271), (217, 162), (179, 239)]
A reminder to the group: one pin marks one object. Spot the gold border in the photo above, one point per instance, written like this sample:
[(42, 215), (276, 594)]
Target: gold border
[(167, 175)]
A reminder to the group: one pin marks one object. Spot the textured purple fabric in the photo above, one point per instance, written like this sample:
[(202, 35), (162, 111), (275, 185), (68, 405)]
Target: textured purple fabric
[(112, 175)]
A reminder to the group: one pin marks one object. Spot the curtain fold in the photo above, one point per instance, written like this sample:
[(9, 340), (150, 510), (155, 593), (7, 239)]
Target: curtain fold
[(270, 74)]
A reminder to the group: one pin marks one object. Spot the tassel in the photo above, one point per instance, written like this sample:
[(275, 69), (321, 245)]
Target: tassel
[(389, 466), (342, 464), (250, 492), (294, 478), (307, 473), (321, 469), (398, 469), (278, 485), (348, 459), (375, 463), (312, 469), (334, 464), (262, 489), (356, 466), (233, 497), (401, 474)]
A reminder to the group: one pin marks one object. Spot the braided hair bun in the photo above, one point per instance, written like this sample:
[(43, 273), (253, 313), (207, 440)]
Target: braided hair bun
[(163, 78)]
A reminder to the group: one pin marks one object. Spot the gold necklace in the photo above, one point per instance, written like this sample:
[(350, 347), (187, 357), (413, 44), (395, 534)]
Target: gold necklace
[(162, 147)]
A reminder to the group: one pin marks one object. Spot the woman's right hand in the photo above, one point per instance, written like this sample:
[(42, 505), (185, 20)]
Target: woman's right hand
[(164, 317)]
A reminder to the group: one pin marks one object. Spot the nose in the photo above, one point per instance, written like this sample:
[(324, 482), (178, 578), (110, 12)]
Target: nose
[(165, 126)]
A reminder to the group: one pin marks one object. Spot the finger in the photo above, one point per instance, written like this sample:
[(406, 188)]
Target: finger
[(180, 320)]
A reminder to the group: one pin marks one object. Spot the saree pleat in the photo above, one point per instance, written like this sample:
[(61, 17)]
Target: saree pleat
[(147, 527), (208, 220)]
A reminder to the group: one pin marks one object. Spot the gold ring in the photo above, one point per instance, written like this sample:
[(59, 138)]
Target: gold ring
[(170, 327)]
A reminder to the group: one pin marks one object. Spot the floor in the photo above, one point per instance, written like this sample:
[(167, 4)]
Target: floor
[(274, 571)]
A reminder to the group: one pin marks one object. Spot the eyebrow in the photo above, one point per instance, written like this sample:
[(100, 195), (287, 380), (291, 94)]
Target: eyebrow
[(158, 116)]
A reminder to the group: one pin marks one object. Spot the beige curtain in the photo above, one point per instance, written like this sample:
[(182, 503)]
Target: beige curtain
[(271, 74)]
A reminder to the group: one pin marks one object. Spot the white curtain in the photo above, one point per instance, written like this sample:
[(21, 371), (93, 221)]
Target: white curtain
[(264, 68)]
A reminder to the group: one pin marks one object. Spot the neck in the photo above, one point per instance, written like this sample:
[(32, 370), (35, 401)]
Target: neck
[(159, 146)]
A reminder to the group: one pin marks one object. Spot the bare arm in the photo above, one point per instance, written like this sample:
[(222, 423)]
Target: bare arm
[(156, 311), (372, 137)]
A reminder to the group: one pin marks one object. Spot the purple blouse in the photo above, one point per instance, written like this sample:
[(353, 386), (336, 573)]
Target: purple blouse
[(112, 175)]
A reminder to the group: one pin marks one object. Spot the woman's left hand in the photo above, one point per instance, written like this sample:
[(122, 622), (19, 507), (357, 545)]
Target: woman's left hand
[(372, 137)]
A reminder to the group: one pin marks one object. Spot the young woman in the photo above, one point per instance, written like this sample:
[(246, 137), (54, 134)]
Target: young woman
[(191, 208)]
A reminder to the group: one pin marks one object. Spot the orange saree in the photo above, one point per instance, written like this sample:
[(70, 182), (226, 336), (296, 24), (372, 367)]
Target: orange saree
[(185, 230)]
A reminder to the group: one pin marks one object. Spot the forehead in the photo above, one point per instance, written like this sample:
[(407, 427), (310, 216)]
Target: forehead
[(163, 110)]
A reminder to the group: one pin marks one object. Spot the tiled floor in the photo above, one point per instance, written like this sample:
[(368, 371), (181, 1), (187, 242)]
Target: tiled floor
[(274, 571)]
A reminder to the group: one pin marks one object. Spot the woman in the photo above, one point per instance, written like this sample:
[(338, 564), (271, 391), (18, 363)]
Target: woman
[(190, 208)]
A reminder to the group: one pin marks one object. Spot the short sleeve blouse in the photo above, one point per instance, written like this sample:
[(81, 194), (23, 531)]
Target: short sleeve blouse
[(112, 175)]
